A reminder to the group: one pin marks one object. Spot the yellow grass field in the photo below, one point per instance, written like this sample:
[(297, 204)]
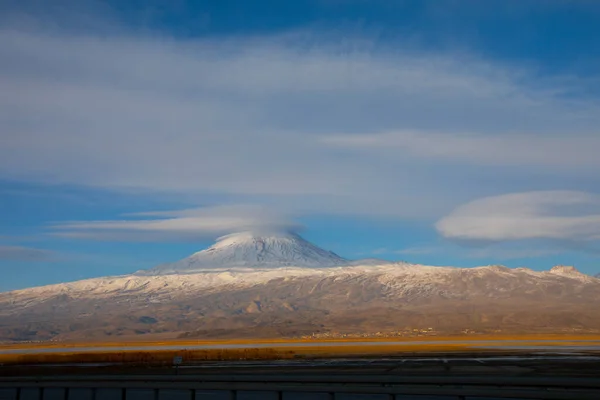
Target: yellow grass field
[(183, 342), (112, 352)]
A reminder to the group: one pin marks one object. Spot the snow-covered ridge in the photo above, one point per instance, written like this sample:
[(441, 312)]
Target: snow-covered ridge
[(394, 275), (564, 270), (248, 259)]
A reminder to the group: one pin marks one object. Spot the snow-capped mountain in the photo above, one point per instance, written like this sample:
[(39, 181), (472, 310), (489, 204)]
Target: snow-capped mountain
[(273, 284), (253, 249)]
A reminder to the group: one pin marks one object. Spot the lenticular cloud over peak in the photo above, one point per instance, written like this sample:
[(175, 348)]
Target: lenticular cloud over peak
[(205, 222)]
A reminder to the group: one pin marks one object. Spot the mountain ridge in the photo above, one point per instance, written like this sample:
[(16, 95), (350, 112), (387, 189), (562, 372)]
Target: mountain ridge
[(259, 294)]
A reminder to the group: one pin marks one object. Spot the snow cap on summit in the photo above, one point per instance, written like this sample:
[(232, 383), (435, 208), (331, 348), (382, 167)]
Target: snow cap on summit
[(255, 235), (271, 249)]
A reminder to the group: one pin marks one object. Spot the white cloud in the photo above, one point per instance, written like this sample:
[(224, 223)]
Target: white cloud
[(558, 215), (259, 118), (554, 151), (207, 222)]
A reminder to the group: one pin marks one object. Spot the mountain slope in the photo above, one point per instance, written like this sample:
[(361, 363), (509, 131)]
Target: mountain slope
[(250, 285)]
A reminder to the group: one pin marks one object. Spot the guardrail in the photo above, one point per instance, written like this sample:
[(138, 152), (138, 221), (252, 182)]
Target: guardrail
[(296, 387)]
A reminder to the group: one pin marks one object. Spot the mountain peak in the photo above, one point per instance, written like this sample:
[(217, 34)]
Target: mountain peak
[(271, 249), (564, 269)]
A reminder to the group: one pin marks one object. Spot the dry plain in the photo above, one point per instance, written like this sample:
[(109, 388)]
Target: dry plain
[(193, 351)]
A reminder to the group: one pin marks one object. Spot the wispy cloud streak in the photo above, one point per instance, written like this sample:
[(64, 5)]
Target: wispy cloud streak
[(22, 253)]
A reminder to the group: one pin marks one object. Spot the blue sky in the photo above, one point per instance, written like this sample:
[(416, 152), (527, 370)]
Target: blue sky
[(441, 132)]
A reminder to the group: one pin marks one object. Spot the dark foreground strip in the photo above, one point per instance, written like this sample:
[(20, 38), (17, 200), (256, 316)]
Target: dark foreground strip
[(455, 387)]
